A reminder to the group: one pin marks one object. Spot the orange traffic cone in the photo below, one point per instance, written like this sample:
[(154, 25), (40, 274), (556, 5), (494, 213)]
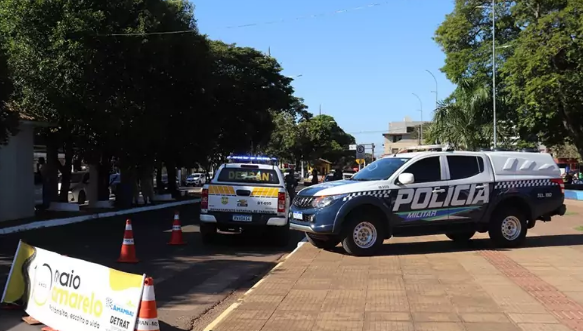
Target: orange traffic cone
[(128, 250), (148, 314), (176, 238)]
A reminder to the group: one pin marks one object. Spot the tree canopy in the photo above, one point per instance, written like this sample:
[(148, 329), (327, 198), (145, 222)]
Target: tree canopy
[(8, 119), (115, 84), (310, 138), (539, 81)]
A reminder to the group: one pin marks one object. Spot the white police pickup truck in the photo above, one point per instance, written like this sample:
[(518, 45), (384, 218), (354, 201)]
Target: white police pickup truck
[(248, 194), (425, 193)]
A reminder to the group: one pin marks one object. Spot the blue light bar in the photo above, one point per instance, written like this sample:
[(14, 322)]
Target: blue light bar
[(246, 158)]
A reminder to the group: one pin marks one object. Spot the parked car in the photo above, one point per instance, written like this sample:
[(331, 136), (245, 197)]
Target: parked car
[(196, 179), (78, 187)]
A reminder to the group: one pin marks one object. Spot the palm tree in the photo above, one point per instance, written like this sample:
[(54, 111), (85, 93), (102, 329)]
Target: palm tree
[(464, 120)]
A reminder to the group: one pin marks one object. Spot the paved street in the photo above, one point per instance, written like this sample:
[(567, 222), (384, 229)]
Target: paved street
[(189, 279), (426, 283)]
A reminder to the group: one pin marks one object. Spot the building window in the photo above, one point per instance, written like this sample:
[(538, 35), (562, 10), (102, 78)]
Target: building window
[(410, 129), (394, 150), (397, 138)]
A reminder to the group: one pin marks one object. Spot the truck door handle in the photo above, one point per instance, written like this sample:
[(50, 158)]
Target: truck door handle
[(438, 190), (480, 186)]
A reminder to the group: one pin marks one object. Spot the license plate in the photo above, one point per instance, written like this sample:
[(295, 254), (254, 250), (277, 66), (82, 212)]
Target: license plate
[(242, 218), (298, 216)]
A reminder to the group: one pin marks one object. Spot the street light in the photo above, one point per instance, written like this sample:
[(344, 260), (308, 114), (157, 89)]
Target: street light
[(493, 67), (421, 110), (435, 79)]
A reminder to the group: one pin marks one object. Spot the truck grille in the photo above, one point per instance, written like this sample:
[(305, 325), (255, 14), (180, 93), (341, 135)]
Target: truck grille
[(303, 202)]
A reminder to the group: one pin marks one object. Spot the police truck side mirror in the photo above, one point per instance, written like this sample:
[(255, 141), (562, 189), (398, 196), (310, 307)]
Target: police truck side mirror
[(406, 178)]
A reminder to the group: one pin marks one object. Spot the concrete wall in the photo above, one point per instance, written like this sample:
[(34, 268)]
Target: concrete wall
[(405, 142), (17, 176)]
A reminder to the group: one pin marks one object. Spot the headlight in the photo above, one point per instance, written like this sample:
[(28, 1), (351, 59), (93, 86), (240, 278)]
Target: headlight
[(325, 201)]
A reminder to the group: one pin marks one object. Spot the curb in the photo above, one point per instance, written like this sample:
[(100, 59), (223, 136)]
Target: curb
[(232, 307), (78, 219)]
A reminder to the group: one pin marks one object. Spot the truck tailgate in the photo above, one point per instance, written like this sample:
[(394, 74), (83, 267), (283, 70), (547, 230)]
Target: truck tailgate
[(242, 199)]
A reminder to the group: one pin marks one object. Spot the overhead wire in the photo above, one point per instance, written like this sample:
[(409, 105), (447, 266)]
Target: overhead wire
[(313, 16)]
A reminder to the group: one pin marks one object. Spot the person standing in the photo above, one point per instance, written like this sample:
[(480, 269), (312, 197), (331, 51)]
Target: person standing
[(315, 176), (338, 174), (290, 184), (147, 185), (42, 170)]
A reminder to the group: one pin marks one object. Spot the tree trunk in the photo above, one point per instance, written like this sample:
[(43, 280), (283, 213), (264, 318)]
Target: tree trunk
[(171, 170), (124, 193), (53, 165), (65, 171), (159, 184), (103, 179)]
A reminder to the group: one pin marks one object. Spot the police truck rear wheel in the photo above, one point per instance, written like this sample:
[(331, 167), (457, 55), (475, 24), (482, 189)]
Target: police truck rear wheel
[(363, 235), (208, 232), (508, 228), (325, 243), (461, 236)]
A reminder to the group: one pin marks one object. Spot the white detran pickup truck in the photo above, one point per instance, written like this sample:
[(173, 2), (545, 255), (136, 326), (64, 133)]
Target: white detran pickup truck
[(247, 194)]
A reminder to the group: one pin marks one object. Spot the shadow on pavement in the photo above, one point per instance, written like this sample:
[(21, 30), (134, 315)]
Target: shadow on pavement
[(447, 246), (168, 327), (189, 279), (100, 240), (11, 318)]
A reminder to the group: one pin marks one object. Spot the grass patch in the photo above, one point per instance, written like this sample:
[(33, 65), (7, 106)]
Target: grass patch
[(579, 228), (570, 213)]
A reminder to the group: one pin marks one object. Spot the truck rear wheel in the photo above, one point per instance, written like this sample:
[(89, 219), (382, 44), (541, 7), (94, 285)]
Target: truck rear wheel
[(363, 234), (323, 242), (208, 232), (460, 237), (508, 227)]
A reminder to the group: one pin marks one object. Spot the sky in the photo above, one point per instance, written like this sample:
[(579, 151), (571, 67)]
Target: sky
[(361, 66)]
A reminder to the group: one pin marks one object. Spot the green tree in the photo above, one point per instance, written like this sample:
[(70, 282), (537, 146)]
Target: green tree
[(8, 119), (129, 96), (545, 73), (248, 89), (465, 118), (323, 138), (538, 58)]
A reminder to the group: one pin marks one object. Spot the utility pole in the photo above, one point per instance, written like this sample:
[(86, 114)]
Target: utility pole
[(269, 51), (372, 147), (494, 69), (320, 109)]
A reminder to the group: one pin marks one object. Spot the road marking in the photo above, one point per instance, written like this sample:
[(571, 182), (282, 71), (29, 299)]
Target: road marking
[(232, 307), (78, 219)]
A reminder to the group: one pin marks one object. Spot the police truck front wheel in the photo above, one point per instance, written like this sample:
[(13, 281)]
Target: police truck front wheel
[(363, 234), (508, 227), (460, 237), (208, 232)]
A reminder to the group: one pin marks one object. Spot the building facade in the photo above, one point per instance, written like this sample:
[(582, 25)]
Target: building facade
[(17, 189), (402, 135)]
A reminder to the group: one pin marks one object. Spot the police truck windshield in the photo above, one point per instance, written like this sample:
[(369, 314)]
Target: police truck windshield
[(380, 170), (243, 175)]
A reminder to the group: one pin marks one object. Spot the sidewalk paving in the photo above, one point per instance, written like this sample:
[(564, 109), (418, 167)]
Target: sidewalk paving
[(425, 283)]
